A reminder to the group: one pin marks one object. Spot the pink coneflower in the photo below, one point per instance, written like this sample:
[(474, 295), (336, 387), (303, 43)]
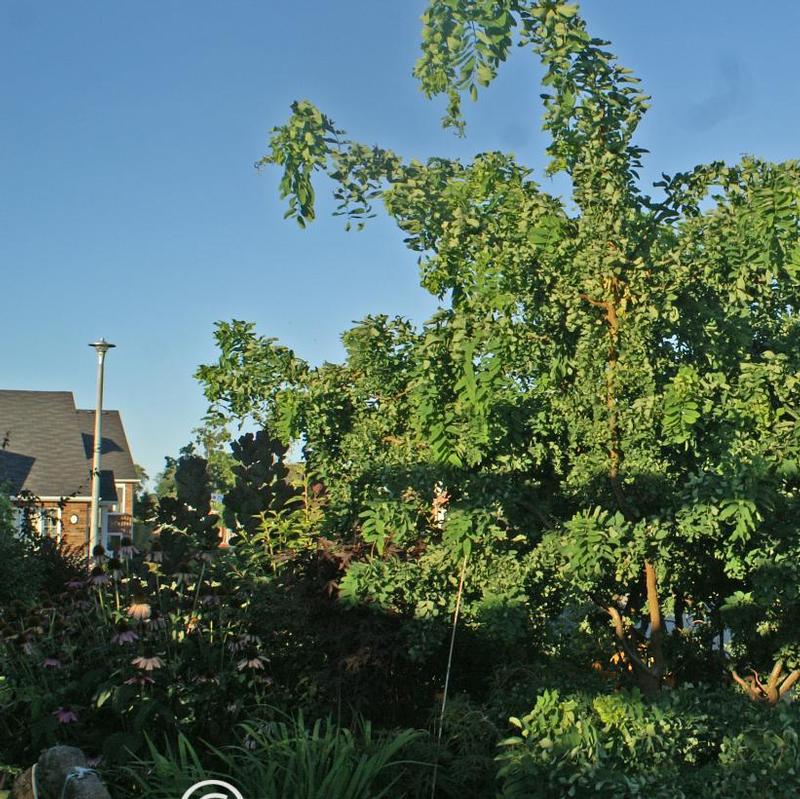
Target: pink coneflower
[(99, 556), (65, 715), (124, 635), (98, 576), (115, 568), (252, 661), (140, 680), (183, 573), (94, 760), (127, 549), (140, 608), (156, 620), (156, 553), (51, 663), (245, 639), (75, 584), (149, 661)]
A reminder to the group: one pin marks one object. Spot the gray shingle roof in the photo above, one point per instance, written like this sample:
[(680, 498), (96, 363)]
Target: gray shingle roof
[(117, 463), (47, 445)]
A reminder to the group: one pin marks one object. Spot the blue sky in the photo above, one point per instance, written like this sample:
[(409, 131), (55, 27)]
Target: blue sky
[(130, 207)]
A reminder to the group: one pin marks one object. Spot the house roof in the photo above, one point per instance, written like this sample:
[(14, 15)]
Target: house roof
[(115, 453), (114, 447), (47, 446)]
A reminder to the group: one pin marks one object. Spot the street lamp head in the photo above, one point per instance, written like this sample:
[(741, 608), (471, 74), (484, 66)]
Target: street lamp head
[(102, 346)]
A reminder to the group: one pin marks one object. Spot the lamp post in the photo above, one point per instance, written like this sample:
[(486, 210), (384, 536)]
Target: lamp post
[(101, 347)]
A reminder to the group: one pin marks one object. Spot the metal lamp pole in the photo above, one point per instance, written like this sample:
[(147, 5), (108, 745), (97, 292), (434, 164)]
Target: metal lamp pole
[(101, 347)]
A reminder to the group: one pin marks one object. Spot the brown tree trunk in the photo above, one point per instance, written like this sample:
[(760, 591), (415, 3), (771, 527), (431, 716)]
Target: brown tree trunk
[(648, 677), (656, 629)]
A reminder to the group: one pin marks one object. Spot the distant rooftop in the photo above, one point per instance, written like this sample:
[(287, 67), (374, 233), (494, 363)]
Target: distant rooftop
[(46, 446)]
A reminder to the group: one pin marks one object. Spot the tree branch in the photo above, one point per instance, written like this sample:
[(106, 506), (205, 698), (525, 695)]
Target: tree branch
[(789, 682), (597, 303), (751, 691), (619, 630), (772, 684)]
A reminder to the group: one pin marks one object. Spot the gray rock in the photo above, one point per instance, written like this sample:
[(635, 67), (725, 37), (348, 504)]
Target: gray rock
[(61, 773)]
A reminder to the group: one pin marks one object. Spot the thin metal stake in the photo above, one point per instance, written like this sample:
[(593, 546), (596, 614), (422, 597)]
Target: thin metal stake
[(447, 675)]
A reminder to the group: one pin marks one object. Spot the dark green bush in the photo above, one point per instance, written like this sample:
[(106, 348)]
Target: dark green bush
[(690, 743), (20, 576)]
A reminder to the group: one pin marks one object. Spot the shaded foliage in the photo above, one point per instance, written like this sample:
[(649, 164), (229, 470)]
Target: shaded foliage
[(260, 481)]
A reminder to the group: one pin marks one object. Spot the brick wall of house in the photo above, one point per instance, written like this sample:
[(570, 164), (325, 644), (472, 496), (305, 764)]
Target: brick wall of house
[(75, 535)]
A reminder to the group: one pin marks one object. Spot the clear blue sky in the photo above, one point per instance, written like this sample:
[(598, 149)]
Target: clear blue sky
[(130, 208)]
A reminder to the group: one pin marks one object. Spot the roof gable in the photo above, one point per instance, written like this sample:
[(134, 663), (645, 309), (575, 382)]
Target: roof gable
[(47, 446), (114, 449), (42, 451)]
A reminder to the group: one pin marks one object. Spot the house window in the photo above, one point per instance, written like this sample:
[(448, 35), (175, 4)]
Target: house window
[(42, 521), (122, 494), (48, 522)]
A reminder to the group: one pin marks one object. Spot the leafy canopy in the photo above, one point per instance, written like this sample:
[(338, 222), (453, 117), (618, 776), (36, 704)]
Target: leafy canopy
[(615, 380)]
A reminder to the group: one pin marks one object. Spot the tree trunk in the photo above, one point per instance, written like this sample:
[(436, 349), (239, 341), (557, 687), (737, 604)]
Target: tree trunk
[(648, 677), (656, 629)]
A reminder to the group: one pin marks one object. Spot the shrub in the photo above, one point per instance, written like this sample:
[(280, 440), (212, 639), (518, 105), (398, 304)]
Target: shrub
[(30, 562), (20, 577), (689, 743)]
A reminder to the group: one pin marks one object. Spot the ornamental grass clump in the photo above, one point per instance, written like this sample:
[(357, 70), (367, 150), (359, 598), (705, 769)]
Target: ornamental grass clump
[(284, 759)]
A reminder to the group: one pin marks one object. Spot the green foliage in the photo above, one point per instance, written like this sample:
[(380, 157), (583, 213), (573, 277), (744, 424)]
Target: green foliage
[(601, 422), (30, 563), (185, 518), (683, 746), (260, 481), (385, 521), (20, 575), (625, 368), (282, 760), (213, 442), (246, 393)]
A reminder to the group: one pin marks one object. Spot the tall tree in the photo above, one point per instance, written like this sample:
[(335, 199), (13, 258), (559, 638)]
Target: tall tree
[(621, 374)]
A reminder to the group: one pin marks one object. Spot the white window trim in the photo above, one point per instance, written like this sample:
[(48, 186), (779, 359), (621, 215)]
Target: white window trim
[(39, 520)]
